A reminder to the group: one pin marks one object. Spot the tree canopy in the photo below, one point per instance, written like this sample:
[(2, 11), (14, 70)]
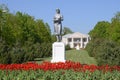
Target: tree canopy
[(23, 38), (21, 27), (105, 41), (67, 30), (108, 30)]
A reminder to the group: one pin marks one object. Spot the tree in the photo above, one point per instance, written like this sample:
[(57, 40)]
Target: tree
[(105, 41), (23, 37), (100, 30), (67, 30), (48, 27), (114, 30)]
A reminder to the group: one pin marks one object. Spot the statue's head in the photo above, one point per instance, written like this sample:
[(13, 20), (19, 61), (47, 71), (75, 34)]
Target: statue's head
[(58, 10)]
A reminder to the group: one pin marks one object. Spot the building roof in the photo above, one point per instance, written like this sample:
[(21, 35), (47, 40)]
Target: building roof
[(76, 35)]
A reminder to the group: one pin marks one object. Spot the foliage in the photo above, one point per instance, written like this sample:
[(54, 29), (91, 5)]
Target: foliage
[(67, 47), (114, 30), (20, 54), (21, 27), (58, 75), (108, 53), (100, 30), (54, 39), (67, 30), (42, 50), (91, 48), (21, 37), (105, 42)]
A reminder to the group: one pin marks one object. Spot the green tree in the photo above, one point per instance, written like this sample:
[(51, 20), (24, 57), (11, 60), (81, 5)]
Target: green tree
[(105, 41), (114, 30), (67, 30), (21, 37), (100, 30)]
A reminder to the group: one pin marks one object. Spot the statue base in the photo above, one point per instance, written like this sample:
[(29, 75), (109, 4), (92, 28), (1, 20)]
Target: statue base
[(58, 52)]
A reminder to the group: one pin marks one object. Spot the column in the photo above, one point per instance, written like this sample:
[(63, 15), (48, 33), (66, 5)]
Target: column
[(72, 43), (81, 45), (86, 42), (87, 39)]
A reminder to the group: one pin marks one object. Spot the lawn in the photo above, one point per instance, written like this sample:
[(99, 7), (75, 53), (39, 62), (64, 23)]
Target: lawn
[(80, 56), (74, 55)]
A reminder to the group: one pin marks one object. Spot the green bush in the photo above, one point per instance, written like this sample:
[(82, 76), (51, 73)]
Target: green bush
[(19, 54), (105, 52), (67, 47), (108, 53), (42, 50), (92, 47)]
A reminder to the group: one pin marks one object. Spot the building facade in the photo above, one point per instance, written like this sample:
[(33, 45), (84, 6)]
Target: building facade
[(75, 39)]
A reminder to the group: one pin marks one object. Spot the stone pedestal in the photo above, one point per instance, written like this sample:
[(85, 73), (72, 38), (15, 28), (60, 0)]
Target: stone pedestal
[(58, 52)]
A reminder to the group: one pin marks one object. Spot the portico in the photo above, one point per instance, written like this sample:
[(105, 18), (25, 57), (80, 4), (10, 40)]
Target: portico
[(75, 39)]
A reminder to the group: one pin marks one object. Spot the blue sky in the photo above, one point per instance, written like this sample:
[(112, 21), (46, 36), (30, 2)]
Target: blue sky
[(79, 15)]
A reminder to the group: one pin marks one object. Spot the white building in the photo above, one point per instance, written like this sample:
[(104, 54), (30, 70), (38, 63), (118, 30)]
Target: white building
[(75, 39)]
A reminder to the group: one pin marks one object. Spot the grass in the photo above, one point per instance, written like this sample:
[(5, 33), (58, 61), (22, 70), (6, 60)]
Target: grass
[(80, 56), (74, 55)]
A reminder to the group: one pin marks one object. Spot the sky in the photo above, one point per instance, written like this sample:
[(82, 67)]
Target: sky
[(79, 15)]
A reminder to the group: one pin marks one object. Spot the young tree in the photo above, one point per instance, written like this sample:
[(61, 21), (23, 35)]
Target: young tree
[(114, 30), (67, 30), (100, 30)]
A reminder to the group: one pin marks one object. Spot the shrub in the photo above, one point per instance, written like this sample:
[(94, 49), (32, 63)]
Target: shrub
[(92, 47), (67, 47), (105, 52), (43, 50), (19, 54), (108, 53)]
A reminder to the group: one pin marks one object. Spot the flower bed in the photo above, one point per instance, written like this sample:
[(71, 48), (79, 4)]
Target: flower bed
[(76, 66), (56, 71)]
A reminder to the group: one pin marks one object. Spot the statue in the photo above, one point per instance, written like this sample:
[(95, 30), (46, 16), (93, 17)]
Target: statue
[(58, 25)]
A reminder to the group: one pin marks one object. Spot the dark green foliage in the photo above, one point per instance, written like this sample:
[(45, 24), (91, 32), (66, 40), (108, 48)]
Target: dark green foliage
[(108, 52), (67, 47), (13, 54), (91, 48), (43, 50), (104, 51), (67, 30), (20, 54), (105, 42)]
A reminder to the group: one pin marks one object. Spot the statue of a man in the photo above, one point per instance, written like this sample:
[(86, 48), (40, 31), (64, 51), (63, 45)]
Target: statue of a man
[(58, 25)]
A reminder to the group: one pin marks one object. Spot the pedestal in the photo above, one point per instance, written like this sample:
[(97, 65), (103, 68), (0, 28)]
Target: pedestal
[(58, 52)]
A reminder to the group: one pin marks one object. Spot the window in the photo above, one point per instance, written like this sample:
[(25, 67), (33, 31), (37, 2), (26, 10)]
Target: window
[(69, 40), (76, 39), (84, 39)]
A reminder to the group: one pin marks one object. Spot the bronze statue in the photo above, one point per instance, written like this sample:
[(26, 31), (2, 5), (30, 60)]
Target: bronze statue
[(58, 18)]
